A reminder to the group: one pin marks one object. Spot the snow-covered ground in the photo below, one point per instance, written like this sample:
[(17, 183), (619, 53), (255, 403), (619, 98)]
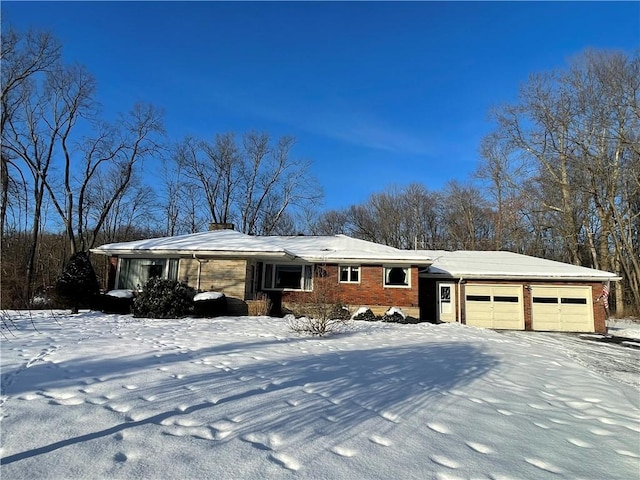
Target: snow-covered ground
[(108, 396), (626, 327)]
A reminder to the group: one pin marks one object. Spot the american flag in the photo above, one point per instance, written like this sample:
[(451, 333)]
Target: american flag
[(605, 295)]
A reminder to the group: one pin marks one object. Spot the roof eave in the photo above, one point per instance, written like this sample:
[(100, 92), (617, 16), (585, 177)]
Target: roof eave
[(366, 261), (190, 253), (476, 276)]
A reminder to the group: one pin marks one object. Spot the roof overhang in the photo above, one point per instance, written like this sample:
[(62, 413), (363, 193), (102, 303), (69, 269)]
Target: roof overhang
[(190, 253), (520, 278)]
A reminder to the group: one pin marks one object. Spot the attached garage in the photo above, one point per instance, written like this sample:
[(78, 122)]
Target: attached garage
[(510, 291), (562, 308), (494, 306)]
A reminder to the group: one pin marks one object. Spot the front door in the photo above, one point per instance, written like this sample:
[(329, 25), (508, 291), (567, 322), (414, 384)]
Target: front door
[(446, 311)]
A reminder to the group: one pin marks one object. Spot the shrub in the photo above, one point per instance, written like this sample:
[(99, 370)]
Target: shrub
[(411, 320), (260, 306), (162, 298), (77, 285), (365, 314), (394, 315), (323, 311), (117, 301), (209, 304), (340, 312), (316, 325)]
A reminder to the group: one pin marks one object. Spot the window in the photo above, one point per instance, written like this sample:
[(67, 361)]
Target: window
[(574, 301), (287, 276), (349, 274), (505, 298), (445, 293), (135, 272), (397, 277), (478, 298), (545, 300)]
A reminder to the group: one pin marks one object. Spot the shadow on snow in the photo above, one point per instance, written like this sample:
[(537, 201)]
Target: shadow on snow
[(341, 391)]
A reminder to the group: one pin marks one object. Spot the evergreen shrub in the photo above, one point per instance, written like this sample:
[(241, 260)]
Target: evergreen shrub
[(365, 314), (161, 298), (77, 286)]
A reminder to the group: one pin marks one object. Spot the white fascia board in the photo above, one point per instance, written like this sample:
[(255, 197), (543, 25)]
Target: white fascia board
[(191, 253), (531, 278), (367, 261)]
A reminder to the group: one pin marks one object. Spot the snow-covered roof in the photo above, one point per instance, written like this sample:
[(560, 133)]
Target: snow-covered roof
[(334, 248), (341, 248), (217, 242), (507, 265), (344, 249)]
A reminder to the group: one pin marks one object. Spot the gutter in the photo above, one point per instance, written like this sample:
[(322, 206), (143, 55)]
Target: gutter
[(191, 253), (460, 300), (530, 278), (200, 262)]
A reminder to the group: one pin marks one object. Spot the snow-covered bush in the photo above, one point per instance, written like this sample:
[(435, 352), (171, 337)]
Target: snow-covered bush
[(162, 298), (77, 285), (44, 298), (364, 313), (394, 315), (209, 304), (117, 301)]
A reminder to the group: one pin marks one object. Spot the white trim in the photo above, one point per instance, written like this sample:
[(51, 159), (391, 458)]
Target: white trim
[(213, 254), (523, 278)]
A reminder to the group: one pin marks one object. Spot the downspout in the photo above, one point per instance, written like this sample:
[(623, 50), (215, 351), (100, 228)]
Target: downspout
[(459, 300), (200, 262)]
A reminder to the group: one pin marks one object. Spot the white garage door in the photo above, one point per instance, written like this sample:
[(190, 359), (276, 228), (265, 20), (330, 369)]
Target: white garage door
[(494, 306), (562, 309)]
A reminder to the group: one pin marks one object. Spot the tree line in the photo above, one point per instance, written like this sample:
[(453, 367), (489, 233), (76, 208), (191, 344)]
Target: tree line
[(558, 177)]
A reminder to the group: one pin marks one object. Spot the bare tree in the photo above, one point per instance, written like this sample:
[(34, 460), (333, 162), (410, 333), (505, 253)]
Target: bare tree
[(574, 136), (23, 56), (46, 105), (402, 217), (255, 185), (115, 151)]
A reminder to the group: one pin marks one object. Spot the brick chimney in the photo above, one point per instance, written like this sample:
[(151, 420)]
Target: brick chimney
[(221, 226)]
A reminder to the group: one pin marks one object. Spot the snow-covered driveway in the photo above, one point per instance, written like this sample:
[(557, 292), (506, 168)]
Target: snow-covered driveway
[(610, 360), (104, 396)]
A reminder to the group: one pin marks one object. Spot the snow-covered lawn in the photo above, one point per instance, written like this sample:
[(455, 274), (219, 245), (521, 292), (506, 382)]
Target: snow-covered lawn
[(107, 396)]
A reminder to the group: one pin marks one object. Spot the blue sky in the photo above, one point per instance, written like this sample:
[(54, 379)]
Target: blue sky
[(375, 93)]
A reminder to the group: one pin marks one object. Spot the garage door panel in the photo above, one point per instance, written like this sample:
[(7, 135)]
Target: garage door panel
[(562, 308), (494, 306)]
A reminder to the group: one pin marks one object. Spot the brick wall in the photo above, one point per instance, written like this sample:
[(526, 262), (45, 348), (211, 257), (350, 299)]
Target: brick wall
[(369, 292)]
